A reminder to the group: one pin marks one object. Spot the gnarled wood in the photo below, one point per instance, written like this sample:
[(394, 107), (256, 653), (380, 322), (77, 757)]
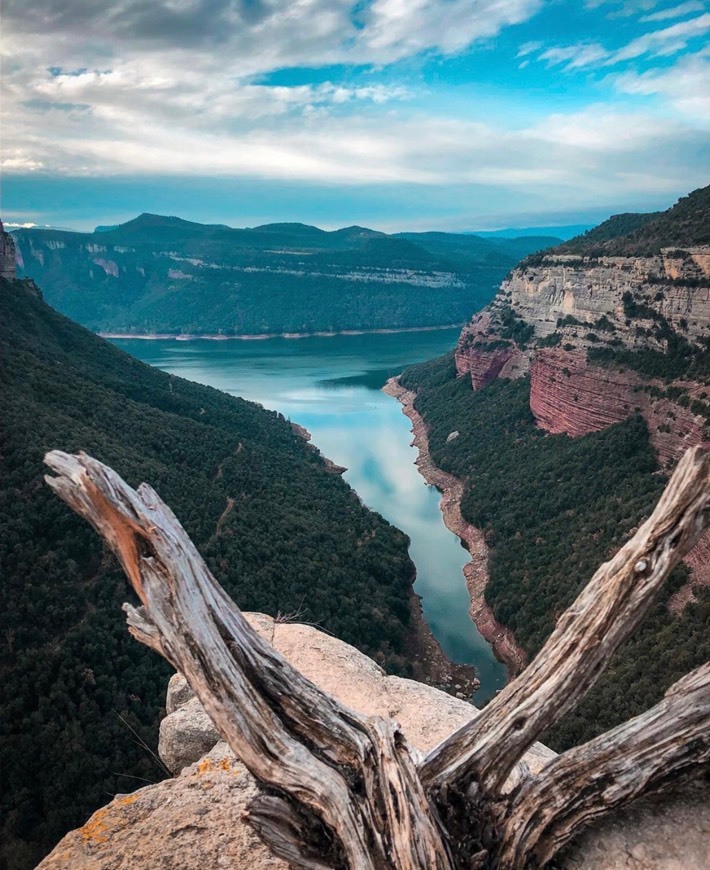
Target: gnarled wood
[(345, 781), (483, 752), (343, 789), (641, 756)]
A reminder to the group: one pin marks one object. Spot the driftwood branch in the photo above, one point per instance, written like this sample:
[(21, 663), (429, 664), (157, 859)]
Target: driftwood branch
[(643, 755), (344, 780), (342, 789), (483, 752)]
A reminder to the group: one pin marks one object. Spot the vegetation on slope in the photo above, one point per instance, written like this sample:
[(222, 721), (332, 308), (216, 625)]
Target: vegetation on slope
[(552, 509), (164, 274), (685, 224), (280, 532)]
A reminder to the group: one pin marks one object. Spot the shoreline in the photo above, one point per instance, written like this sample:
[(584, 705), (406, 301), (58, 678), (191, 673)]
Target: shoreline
[(501, 639), (263, 336)]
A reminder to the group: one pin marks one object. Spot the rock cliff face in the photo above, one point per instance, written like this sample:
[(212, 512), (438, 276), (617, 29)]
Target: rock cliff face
[(7, 254), (549, 314), (196, 821), (553, 314)]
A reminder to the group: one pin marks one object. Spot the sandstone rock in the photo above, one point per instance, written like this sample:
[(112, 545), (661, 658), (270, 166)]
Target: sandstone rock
[(193, 822), (7, 254), (179, 693), (186, 735)]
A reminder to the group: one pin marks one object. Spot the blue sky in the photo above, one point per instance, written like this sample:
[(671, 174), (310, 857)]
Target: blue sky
[(396, 114)]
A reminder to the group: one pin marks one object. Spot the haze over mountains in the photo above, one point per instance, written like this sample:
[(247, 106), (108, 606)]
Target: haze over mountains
[(160, 274)]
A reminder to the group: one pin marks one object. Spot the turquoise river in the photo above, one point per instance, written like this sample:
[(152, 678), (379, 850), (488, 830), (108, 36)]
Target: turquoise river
[(331, 385)]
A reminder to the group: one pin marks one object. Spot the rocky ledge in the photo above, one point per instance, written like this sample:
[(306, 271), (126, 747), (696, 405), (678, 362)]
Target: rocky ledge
[(196, 820)]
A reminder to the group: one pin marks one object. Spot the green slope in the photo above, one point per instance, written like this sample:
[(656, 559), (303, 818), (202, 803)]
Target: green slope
[(553, 508), (165, 274), (687, 223), (74, 683)]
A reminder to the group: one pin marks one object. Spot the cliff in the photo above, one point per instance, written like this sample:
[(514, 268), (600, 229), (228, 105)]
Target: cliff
[(604, 336), (196, 820), (7, 254)]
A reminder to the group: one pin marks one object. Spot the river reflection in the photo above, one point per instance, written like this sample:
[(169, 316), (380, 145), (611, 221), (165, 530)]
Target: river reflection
[(332, 387)]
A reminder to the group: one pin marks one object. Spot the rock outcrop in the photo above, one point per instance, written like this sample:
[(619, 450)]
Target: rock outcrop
[(7, 254), (196, 821)]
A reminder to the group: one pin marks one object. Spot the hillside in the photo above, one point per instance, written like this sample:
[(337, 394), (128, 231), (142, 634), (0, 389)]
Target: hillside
[(581, 379), (81, 699), (159, 274), (687, 223)]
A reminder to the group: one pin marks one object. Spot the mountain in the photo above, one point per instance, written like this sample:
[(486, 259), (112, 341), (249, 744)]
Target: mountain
[(282, 532), (566, 231), (686, 224), (573, 394), (158, 274)]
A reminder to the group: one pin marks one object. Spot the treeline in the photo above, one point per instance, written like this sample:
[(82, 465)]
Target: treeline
[(553, 508), (687, 223), (80, 696)]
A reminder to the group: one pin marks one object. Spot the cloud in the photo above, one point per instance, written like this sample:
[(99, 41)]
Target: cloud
[(684, 85), (675, 12), (251, 36), (657, 43)]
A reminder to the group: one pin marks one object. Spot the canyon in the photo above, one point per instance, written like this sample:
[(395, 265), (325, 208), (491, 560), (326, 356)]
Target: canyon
[(575, 325)]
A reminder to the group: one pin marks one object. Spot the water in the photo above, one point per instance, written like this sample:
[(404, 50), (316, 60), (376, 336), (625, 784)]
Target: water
[(332, 387)]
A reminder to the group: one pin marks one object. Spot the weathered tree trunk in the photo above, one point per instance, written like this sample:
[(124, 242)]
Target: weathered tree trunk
[(342, 789)]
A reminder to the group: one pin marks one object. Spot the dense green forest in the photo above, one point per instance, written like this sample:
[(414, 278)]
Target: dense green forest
[(163, 274), (642, 235), (80, 696), (553, 508)]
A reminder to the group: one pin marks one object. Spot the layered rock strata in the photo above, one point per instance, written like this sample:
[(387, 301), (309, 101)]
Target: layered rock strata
[(197, 820)]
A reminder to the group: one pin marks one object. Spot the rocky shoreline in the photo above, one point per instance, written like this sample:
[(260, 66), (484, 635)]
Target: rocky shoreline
[(263, 336), (501, 638)]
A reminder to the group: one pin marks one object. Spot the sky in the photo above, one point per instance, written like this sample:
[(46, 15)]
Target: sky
[(395, 114)]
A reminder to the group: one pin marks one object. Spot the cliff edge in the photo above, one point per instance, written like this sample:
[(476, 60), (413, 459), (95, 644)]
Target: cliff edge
[(196, 820)]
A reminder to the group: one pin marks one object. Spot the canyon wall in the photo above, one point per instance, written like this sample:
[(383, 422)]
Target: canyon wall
[(551, 311), (554, 313)]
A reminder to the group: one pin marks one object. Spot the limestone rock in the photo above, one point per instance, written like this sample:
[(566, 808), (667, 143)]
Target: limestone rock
[(186, 735)]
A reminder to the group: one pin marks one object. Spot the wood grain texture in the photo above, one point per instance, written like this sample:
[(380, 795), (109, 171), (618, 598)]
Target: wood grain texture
[(659, 747), (343, 790)]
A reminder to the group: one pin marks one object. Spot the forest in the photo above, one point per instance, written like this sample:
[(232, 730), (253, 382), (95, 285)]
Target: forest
[(166, 275), (81, 699), (552, 509), (686, 223)]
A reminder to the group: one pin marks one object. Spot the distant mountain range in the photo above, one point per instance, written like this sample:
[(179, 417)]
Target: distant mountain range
[(158, 274), (566, 231)]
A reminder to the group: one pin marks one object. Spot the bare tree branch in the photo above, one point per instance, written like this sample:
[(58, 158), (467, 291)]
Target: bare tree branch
[(641, 756), (609, 608), (345, 778)]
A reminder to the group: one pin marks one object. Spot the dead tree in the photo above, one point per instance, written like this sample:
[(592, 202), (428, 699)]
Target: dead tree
[(340, 789)]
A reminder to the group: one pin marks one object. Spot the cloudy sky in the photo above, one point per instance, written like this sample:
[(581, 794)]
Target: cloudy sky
[(396, 114)]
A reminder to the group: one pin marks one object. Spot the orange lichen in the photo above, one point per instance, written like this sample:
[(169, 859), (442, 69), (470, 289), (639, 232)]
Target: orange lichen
[(101, 824)]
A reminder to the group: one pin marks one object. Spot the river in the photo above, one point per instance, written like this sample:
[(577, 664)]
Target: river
[(332, 387)]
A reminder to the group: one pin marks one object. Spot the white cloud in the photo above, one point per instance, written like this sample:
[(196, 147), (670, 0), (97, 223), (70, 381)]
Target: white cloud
[(575, 56), (663, 42), (675, 12), (685, 85)]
